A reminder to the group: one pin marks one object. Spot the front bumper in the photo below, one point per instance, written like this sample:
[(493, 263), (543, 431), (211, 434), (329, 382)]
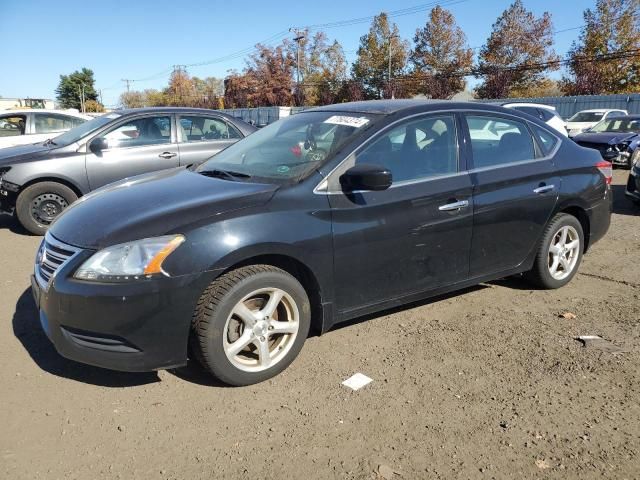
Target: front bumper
[(133, 327), (7, 200), (633, 184)]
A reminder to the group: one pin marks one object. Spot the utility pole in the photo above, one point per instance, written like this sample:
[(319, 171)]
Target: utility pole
[(300, 36), (127, 81), (81, 96), (389, 73)]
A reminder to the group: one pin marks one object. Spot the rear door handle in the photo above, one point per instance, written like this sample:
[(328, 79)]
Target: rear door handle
[(167, 155), (454, 206), (544, 189)]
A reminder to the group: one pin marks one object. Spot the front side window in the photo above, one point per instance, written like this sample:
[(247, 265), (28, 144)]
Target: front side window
[(51, 123), (12, 125), (416, 149), (497, 141), (291, 148), (197, 129), (140, 132)]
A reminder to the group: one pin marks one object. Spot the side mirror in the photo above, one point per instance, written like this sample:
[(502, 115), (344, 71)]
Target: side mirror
[(98, 144), (366, 177)]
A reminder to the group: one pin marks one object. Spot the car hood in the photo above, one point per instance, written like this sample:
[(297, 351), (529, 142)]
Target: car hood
[(23, 153), (605, 138), (151, 205)]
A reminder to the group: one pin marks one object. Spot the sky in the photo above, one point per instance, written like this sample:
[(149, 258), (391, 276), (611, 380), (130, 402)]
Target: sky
[(143, 39)]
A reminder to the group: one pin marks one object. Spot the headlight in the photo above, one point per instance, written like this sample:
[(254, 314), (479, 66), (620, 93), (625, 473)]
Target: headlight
[(129, 261), (635, 158)]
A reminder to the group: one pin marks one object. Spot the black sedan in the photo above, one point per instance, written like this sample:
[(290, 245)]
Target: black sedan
[(235, 261), (616, 138)]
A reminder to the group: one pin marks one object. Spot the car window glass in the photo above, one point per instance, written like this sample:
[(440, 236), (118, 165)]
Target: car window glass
[(533, 111), (51, 123), (496, 141), (417, 149), (12, 125), (546, 115), (197, 129), (140, 132), (546, 140)]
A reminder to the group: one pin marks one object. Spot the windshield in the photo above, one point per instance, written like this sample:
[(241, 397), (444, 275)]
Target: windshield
[(619, 125), (290, 149), (82, 130), (587, 117)]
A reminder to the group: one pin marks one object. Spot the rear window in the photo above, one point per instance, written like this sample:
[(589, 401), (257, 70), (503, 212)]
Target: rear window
[(546, 140)]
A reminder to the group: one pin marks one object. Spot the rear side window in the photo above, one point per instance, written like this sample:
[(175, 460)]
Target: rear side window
[(546, 140), (197, 129), (52, 123), (497, 141), (533, 111), (546, 115)]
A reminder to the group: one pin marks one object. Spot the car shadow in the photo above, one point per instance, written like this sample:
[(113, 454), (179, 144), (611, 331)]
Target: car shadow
[(622, 205), (9, 222), (27, 329)]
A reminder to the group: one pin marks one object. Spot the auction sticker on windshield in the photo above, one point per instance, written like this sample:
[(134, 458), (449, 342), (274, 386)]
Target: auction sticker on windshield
[(355, 122)]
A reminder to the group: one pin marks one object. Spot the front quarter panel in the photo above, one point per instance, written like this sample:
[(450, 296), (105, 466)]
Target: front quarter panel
[(295, 223)]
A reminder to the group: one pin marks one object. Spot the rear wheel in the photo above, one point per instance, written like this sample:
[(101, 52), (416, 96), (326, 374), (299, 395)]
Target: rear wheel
[(559, 254), (40, 204), (250, 324)]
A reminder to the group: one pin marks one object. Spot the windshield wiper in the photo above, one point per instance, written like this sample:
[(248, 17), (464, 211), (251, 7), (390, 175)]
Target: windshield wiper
[(216, 173), (49, 141)]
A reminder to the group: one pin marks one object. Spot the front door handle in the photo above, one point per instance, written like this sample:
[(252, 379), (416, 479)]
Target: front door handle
[(167, 155), (454, 206), (544, 189)]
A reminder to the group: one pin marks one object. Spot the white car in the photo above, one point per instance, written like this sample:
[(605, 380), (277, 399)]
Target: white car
[(546, 113), (21, 127), (586, 119)]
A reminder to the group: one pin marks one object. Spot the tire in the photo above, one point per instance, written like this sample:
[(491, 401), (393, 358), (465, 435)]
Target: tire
[(261, 354), (40, 204), (541, 274)]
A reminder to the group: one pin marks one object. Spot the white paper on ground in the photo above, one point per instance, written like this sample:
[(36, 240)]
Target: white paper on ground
[(357, 381)]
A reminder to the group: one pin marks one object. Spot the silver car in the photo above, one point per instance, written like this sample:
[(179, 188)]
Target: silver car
[(38, 181)]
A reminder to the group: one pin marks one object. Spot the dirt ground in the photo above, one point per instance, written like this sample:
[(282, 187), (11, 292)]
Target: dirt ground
[(486, 383)]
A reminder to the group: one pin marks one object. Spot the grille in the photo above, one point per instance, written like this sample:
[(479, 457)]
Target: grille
[(52, 255)]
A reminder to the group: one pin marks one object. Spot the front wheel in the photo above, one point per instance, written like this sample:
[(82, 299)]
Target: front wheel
[(38, 205), (559, 254), (250, 324)]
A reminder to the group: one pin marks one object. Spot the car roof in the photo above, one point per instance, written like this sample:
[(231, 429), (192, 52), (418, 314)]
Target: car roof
[(22, 111), (388, 107), (127, 111)]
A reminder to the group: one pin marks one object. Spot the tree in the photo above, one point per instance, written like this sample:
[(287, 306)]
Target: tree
[(180, 92), (371, 68), (323, 68), (517, 53), (69, 91), (93, 106), (440, 56), (132, 99), (596, 65)]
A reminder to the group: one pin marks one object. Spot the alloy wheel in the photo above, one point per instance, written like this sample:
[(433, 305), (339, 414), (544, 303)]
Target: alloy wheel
[(261, 329), (564, 252)]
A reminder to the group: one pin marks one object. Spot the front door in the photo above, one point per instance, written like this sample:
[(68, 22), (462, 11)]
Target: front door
[(138, 145), (416, 235), (203, 136), (515, 191)]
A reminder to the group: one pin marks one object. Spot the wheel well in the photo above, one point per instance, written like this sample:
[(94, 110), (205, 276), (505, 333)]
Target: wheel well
[(583, 218), (302, 273), (61, 181)]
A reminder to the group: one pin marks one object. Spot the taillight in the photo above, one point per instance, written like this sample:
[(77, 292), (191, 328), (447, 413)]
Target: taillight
[(606, 169)]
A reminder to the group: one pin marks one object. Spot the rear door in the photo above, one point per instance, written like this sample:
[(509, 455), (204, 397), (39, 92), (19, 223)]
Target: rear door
[(414, 236), (136, 145), (515, 189), (202, 136)]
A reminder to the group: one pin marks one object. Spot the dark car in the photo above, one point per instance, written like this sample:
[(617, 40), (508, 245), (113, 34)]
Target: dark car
[(40, 180), (236, 260), (616, 138), (633, 183)]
